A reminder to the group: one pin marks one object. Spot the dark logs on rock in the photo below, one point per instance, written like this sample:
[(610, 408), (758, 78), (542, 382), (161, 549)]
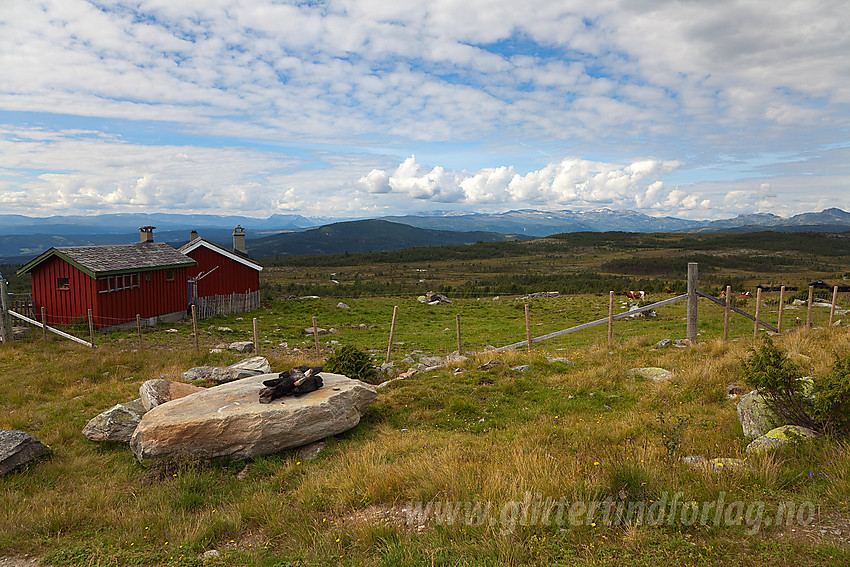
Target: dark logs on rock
[(296, 382)]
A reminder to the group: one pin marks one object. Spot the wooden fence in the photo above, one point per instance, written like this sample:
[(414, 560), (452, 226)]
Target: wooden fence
[(213, 305)]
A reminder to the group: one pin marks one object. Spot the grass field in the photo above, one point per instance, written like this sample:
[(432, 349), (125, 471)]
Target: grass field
[(567, 432)]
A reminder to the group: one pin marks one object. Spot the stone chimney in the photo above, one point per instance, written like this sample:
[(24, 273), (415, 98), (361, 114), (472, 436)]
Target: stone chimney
[(193, 235), (239, 239), (146, 233)]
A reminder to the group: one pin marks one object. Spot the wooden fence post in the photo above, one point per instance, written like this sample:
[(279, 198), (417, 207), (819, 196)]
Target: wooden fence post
[(139, 330), (256, 338), (459, 347), (91, 328), (43, 324), (832, 309), (781, 308), (528, 326), (195, 326), (316, 337), (693, 315), (392, 333), (5, 318), (727, 313), (610, 317), (758, 310), (809, 308)]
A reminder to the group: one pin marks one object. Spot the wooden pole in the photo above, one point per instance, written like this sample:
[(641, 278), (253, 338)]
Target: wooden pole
[(693, 315), (832, 309), (809, 308), (781, 308), (459, 348), (139, 330), (727, 313), (528, 326), (195, 326), (91, 328), (5, 318), (316, 337), (610, 317), (392, 333), (256, 338), (758, 310), (43, 324)]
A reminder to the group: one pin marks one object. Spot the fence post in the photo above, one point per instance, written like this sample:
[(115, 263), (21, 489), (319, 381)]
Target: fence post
[(392, 333), (727, 313), (256, 338), (195, 326), (459, 348), (5, 318), (809, 308), (781, 308), (316, 337), (43, 324), (832, 309), (610, 317), (693, 316), (91, 328), (528, 326), (758, 310), (139, 330)]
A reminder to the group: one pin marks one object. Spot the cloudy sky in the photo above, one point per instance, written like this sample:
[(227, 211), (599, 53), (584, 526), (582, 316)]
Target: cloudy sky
[(359, 108)]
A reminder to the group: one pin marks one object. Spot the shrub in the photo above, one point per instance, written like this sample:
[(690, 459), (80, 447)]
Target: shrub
[(831, 403), (779, 380), (354, 363)]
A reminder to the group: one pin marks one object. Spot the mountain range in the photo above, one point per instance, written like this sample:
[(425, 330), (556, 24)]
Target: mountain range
[(24, 237)]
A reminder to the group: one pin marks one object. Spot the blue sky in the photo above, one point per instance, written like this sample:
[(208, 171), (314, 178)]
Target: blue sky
[(365, 108)]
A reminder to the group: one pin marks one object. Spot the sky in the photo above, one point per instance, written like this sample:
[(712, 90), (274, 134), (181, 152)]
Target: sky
[(365, 108)]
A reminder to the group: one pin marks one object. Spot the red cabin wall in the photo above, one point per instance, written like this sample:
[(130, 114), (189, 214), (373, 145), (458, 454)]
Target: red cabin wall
[(230, 277), (155, 296), (62, 305)]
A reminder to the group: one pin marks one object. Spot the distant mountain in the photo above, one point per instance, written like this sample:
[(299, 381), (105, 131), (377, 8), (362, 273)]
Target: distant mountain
[(362, 236)]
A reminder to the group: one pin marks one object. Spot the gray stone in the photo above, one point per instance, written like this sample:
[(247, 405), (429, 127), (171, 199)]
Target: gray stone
[(780, 436), (198, 373), (432, 361), (755, 417), (664, 343), (211, 554), (651, 373), (258, 364), (521, 368), (229, 421), (724, 464), (310, 451), (18, 448), (560, 359), (694, 460), (242, 346), (117, 423), (319, 331), (342, 305), (158, 391)]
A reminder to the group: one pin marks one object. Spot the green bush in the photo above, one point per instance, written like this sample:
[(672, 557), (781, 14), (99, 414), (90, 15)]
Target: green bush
[(354, 363), (831, 403)]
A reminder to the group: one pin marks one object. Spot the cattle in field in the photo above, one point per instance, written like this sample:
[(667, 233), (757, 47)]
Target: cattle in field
[(745, 295), (640, 295)]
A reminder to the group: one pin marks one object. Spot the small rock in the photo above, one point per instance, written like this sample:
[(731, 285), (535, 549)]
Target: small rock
[(310, 451), (117, 423), (721, 464), (342, 305), (560, 359), (522, 368), (172, 331), (693, 460), (780, 436), (211, 554), (651, 373), (734, 390), (18, 448), (198, 373), (224, 329), (432, 361), (664, 343), (243, 474), (216, 350), (755, 417), (310, 331), (158, 391), (242, 346), (682, 343)]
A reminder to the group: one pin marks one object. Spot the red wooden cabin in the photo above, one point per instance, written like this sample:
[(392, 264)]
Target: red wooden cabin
[(117, 282), (220, 271)]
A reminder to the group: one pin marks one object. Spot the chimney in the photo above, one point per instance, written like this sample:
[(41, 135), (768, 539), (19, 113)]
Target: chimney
[(193, 235), (146, 233), (239, 240)]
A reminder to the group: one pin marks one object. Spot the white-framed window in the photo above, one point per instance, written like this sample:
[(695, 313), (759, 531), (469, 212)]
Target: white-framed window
[(119, 282)]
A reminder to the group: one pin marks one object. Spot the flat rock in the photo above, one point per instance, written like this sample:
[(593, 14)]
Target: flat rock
[(651, 373), (780, 436), (229, 421), (755, 417), (241, 346), (159, 391), (521, 368), (199, 372), (117, 423), (258, 364), (432, 361), (17, 448), (664, 343)]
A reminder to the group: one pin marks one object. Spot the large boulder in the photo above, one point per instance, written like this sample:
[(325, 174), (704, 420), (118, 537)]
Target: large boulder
[(755, 417), (17, 448), (158, 391), (229, 421), (117, 423), (780, 436)]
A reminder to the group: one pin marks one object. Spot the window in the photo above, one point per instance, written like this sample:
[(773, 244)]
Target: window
[(63, 283), (169, 275), (118, 282)]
